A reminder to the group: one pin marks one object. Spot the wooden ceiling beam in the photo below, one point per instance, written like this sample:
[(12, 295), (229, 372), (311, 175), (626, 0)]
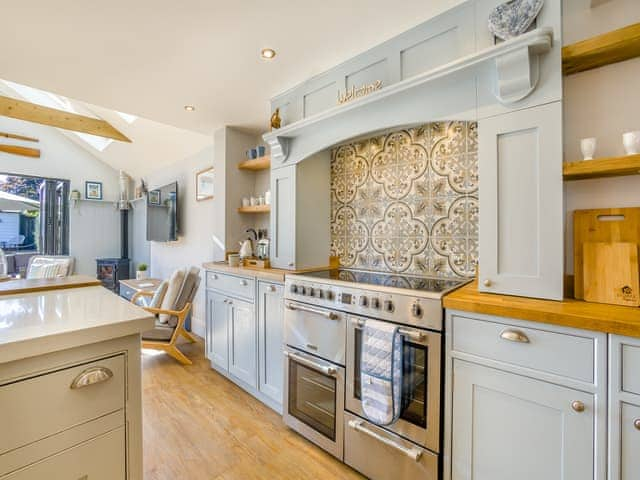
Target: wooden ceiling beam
[(11, 107)]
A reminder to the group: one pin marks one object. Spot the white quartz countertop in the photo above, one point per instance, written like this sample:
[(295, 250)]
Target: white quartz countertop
[(42, 322)]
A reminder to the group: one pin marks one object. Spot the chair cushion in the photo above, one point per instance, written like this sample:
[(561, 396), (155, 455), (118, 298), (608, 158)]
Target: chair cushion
[(187, 292), (161, 332), (173, 290), (159, 294)]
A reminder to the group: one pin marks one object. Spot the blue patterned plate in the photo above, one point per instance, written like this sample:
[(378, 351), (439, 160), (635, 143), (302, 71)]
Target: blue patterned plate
[(512, 18)]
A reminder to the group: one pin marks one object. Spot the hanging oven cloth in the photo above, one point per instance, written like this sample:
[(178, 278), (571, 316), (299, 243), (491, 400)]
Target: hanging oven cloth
[(381, 372)]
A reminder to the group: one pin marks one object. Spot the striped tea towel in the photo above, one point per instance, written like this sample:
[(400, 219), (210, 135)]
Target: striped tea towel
[(381, 372)]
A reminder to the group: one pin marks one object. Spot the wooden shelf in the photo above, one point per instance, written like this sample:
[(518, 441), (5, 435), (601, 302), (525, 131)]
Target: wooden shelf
[(611, 47), (262, 163), (602, 167), (255, 209)]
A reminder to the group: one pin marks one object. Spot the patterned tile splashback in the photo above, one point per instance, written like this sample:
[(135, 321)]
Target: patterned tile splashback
[(408, 201)]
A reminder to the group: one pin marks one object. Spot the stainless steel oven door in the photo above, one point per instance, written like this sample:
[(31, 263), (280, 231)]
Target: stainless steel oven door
[(314, 400), (420, 417)]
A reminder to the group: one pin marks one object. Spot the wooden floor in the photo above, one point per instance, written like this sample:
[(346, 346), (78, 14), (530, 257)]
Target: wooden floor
[(199, 425)]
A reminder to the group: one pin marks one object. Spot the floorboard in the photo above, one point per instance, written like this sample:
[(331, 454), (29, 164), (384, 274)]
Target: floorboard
[(199, 425)]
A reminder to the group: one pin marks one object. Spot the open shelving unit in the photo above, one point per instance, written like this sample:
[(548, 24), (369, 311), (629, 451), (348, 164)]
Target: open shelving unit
[(261, 163), (255, 209), (602, 167), (611, 47)]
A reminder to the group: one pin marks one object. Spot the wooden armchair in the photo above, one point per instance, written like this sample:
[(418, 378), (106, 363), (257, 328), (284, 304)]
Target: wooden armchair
[(165, 334)]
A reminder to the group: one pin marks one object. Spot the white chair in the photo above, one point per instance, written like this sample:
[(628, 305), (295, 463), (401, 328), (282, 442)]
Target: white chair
[(50, 266)]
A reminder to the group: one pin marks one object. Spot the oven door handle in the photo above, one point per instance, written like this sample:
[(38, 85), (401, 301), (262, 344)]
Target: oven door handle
[(413, 453), (415, 335), (329, 371), (317, 311)]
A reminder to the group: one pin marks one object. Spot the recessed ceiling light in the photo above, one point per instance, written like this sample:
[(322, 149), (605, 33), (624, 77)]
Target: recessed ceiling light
[(189, 108), (268, 53)]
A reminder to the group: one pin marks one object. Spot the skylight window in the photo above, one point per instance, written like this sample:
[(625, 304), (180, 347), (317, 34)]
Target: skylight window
[(51, 100)]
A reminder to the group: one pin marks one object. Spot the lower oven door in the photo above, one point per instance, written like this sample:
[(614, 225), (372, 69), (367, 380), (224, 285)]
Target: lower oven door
[(421, 389), (314, 399), (382, 455)]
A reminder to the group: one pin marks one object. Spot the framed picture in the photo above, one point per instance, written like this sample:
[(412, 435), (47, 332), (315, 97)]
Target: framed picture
[(93, 190), (154, 197), (204, 184)]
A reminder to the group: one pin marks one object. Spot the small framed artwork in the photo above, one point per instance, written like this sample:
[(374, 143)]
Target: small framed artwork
[(93, 190), (154, 197), (204, 184)]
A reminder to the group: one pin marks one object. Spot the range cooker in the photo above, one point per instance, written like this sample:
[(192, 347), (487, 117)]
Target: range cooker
[(324, 315)]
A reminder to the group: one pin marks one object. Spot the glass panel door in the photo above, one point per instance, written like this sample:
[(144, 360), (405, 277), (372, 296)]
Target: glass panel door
[(312, 398)]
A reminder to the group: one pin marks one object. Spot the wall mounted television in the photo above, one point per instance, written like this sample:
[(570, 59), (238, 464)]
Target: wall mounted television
[(162, 213)]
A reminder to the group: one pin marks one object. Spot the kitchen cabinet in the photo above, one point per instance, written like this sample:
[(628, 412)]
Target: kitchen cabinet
[(242, 341), (523, 400), (270, 331), (300, 213), (521, 225), (624, 408), (244, 333)]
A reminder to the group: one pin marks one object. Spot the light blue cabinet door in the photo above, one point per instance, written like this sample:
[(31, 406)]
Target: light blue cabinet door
[(242, 342), (217, 341), (507, 426), (283, 217), (270, 326)]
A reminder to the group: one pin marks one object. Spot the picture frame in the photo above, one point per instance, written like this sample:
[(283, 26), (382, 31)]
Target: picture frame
[(204, 184), (93, 190), (154, 197)]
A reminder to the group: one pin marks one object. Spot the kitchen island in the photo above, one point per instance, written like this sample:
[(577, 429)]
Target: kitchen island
[(70, 385)]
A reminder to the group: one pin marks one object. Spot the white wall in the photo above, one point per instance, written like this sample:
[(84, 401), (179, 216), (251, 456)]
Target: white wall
[(599, 103), (196, 221), (94, 228)]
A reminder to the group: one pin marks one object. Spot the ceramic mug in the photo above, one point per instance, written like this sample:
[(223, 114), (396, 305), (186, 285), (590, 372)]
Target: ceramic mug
[(588, 148), (261, 150), (234, 260), (245, 202), (252, 153), (254, 201), (260, 200), (267, 197), (631, 142)]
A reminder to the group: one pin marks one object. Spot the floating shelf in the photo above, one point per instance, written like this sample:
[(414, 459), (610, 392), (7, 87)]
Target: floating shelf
[(602, 167), (255, 209), (262, 163), (611, 47)]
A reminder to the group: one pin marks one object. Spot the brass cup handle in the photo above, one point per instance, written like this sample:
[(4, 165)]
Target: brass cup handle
[(91, 376), (514, 336), (578, 406), (636, 423)]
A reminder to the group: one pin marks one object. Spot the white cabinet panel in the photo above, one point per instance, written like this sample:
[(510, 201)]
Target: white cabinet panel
[(242, 342), (630, 442), (283, 212), (218, 330), (521, 219), (507, 426), (270, 326)]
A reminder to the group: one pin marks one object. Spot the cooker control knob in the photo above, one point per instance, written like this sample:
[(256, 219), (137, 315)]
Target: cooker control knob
[(302, 290), (363, 301), (293, 288), (328, 294), (319, 293), (416, 310), (375, 303), (310, 292), (388, 306)]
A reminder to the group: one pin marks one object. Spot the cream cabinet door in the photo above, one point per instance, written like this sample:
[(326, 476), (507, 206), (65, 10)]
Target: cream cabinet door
[(521, 203), (283, 217), (217, 334), (242, 342), (507, 426), (270, 340)]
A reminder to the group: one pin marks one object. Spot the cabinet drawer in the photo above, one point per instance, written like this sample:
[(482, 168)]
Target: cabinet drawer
[(630, 353), (569, 356), (102, 458), (243, 287), (41, 406)]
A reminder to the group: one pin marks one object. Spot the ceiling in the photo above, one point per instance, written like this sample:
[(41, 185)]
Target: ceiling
[(152, 57)]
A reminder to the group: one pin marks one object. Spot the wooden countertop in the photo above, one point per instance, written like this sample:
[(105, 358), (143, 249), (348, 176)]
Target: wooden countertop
[(24, 285), (272, 274), (614, 319)]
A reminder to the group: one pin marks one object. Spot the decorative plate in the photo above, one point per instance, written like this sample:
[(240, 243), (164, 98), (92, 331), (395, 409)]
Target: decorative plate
[(512, 18)]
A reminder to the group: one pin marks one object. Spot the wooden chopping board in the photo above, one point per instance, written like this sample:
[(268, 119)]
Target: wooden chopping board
[(605, 225), (611, 273)]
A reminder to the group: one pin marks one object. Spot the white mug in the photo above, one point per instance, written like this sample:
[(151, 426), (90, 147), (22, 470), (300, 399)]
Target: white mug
[(254, 201), (631, 142), (245, 202), (588, 148), (267, 197)]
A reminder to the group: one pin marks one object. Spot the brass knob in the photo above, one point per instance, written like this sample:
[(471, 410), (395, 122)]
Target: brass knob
[(636, 423), (487, 283), (578, 406)]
